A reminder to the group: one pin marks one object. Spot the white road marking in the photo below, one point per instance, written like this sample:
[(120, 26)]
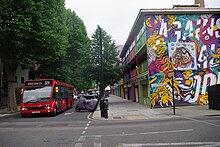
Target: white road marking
[(1, 115), (78, 144), (205, 122), (82, 138), (88, 123), (97, 142), (98, 138), (89, 116), (68, 113), (204, 144), (145, 133)]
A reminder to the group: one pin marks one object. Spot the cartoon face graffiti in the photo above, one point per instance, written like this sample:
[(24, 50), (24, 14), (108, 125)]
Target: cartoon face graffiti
[(182, 57)]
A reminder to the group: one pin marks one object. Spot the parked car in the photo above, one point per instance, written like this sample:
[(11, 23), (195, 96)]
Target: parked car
[(87, 104), (90, 96)]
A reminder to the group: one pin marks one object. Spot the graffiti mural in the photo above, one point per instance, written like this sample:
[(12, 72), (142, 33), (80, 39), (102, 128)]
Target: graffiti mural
[(189, 45), (183, 55)]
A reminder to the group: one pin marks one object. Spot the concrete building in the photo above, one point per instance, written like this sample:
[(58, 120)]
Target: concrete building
[(21, 76), (182, 43), (113, 89)]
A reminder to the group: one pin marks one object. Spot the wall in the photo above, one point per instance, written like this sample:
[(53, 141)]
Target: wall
[(21, 76), (189, 44)]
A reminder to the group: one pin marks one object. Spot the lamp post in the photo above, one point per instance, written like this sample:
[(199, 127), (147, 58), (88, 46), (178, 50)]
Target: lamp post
[(174, 105), (101, 84), (172, 75), (101, 81)]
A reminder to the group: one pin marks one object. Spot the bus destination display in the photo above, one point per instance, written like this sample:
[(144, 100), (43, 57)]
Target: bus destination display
[(38, 83)]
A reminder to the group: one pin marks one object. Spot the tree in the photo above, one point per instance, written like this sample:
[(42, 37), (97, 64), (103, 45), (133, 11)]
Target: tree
[(49, 27), (15, 24), (78, 51), (32, 32), (111, 68)]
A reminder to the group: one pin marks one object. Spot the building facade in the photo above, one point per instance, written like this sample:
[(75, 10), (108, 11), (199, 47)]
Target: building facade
[(21, 76), (178, 44)]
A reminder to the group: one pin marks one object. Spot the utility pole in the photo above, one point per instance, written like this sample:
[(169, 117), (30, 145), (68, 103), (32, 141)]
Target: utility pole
[(101, 86), (174, 105), (103, 102), (171, 74)]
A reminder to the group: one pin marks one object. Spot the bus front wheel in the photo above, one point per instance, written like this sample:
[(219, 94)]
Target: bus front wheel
[(54, 112)]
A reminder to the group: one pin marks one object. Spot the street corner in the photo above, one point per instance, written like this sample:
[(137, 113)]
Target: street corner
[(97, 116), (5, 113), (2, 115)]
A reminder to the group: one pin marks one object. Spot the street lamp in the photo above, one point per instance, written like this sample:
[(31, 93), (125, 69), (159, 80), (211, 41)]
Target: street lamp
[(171, 74), (101, 82), (103, 102)]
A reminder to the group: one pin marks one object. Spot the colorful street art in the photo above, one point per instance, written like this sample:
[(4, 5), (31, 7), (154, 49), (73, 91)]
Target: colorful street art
[(183, 55), (189, 45)]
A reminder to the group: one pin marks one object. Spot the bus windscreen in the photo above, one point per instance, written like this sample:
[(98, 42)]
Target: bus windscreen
[(37, 94)]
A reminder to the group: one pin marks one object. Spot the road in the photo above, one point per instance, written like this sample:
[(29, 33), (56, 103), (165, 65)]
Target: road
[(72, 128)]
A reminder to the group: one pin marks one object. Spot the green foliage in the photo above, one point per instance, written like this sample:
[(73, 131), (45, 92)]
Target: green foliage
[(15, 27), (111, 68), (78, 51), (44, 33), (33, 32), (49, 27)]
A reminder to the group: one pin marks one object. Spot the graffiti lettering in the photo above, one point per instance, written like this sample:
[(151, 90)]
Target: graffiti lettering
[(189, 27), (213, 81), (163, 28), (198, 84), (205, 82), (178, 33), (217, 34), (207, 29), (204, 55)]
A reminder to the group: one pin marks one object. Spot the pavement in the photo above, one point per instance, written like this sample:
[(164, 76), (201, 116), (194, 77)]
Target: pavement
[(4, 111), (123, 109)]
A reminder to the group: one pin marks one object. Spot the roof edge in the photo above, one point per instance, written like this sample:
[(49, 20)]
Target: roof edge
[(181, 10), (184, 10)]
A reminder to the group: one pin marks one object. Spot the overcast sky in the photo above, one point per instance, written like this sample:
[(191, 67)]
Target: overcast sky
[(117, 17)]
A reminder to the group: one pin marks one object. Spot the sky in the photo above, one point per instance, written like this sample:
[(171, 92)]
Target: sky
[(117, 17)]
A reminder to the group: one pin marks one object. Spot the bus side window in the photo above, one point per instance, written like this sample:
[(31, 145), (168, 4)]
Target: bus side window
[(66, 92), (70, 94)]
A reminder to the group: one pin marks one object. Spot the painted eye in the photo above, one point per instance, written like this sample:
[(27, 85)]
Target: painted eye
[(206, 37)]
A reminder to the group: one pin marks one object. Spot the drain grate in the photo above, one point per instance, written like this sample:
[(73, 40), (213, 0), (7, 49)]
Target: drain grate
[(116, 117)]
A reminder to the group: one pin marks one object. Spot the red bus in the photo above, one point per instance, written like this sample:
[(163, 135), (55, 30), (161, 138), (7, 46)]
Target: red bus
[(45, 96)]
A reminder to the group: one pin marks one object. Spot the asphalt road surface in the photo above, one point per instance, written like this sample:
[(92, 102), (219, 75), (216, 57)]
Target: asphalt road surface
[(75, 129)]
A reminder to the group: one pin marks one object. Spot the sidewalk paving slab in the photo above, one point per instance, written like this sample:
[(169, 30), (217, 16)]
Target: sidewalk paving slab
[(122, 109), (4, 111)]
